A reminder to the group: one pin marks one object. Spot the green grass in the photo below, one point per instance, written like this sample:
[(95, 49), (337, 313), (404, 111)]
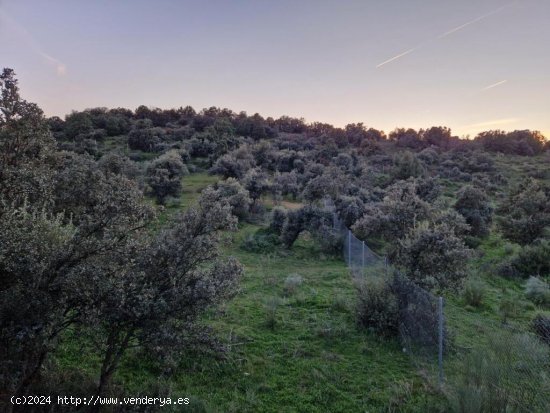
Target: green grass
[(312, 358), (302, 352)]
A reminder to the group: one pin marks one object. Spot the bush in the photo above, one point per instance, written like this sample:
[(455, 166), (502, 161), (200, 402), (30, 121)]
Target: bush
[(234, 193), (406, 165), (292, 282), (271, 307), (164, 175), (525, 213), (541, 326), (494, 378), (377, 307), (328, 239), (508, 308), (278, 217), (537, 291), (428, 156), (432, 256), (146, 140), (475, 207), (474, 292), (261, 242), (533, 259)]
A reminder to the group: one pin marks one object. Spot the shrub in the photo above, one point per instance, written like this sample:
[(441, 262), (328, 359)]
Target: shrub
[(271, 307), (278, 217), (541, 326), (407, 165), (476, 208), (493, 379), (525, 213), (537, 291), (329, 240), (432, 256), (164, 175), (428, 156), (292, 282), (260, 242), (508, 308), (146, 140), (234, 164), (533, 259), (395, 215), (474, 292), (377, 307), (234, 193), (428, 189), (350, 209)]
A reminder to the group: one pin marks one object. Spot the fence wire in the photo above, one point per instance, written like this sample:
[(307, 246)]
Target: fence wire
[(491, 366)]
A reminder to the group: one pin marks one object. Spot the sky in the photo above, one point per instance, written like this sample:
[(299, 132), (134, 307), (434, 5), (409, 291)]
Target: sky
[(471, 65)]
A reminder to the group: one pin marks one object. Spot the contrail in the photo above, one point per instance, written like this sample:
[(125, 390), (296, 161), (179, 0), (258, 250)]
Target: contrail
[(60, 67), (475, 20), (446, 33), (495, 85), (396, 57)]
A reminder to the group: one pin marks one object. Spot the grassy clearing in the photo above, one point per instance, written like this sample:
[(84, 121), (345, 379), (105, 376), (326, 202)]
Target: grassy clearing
[(290, 349), (300, 351)]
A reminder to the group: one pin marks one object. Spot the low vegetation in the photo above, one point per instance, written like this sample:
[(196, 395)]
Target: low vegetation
[(197, 254)]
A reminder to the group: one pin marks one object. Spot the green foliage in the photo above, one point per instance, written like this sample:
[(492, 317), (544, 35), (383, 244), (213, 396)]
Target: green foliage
[(538, 291), (508, 308), (377, 307), (541, 326), (494, 378), (475, 207), (234, 164), (433, 256), (533, 259), (474, 292), (278, 218), (272, 305), (78, 124), (292, 283), (146, 139), (407, 165), (393, 217), (26, 146), (261, 242), (525, 213), (256, 182), (164, 175), (233, 192)]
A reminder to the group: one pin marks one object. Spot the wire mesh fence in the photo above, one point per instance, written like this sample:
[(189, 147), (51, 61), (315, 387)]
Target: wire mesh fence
[(490, 366), (421, 318)]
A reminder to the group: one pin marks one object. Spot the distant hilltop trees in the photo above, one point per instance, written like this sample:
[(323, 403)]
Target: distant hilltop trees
[(214, 130)]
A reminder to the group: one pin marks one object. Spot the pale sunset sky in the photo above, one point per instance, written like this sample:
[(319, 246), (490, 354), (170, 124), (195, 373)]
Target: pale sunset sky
[(471, 65)]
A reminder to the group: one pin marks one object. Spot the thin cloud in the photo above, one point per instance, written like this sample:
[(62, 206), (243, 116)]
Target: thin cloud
[(447, 33), (496, 122), (19, 30), (495, 85)]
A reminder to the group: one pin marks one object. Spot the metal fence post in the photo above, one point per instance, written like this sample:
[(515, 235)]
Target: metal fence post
[(363, 257), (349, 248), (440, 355)]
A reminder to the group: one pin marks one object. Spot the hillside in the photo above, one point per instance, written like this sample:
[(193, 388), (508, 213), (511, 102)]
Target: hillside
[(194, 255)]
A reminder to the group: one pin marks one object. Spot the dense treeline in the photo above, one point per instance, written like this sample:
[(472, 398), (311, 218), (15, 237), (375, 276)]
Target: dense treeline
[(214, 130)]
